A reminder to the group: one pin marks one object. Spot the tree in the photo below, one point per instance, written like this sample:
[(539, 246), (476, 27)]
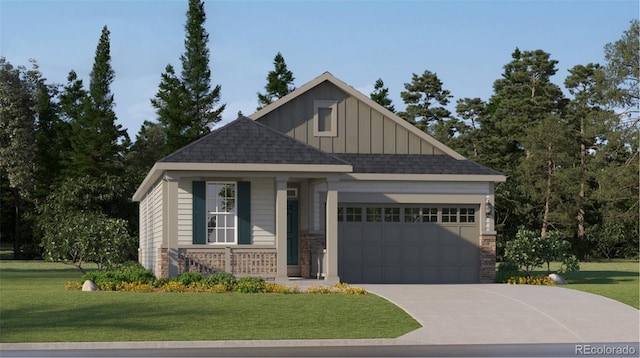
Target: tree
[(80, 222), (18, 106), (472, 112), (191, 93), (380, 95), (279, 83), (426, 100), (623, 68), (147, 149), (96, 140)]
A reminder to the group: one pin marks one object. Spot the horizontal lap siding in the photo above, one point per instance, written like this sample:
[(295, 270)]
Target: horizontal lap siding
[(154, 224), (185, 214), (414, 187), (263, 211), (143, 227)]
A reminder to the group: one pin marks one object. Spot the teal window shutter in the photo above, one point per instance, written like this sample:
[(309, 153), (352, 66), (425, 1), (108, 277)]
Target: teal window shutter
[(199, 212), (244, 212)]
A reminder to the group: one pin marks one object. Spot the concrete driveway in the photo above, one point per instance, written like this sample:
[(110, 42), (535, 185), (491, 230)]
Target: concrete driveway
[(504, 314)]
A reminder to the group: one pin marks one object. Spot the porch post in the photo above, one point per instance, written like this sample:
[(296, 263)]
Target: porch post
[(281, 229), (170, 226), (332, 232)]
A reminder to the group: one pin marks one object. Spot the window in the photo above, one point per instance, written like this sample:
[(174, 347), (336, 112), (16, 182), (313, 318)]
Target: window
[(221, 213), (374, 215), (449, 215), (325, 118), (354, 214), (430, 215), (411, 215), (392, 214), (467, 215), (340, 214)]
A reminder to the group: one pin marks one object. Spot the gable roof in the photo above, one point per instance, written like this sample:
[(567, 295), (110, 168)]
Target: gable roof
[(248, 141), (361, 97), (414, 164)]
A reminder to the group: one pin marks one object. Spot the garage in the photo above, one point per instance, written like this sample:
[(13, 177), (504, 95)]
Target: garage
[(408, 243)]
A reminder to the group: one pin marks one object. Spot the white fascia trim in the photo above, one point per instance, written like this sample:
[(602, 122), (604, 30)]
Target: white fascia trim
[(425, 177)]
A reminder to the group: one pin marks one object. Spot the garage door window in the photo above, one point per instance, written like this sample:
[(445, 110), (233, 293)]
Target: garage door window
[(392, 215), (374, 215), (467, 215), (354, 214), (411, 215), (430, 215), (449, 215)]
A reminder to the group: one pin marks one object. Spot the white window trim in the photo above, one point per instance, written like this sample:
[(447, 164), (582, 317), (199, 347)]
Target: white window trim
[(333, 105), (235, 213)]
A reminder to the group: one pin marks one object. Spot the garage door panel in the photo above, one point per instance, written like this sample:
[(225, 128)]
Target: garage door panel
[(430, 235), (411, 236), (351, 235), (372, 234), (392, 273), (410, 255), (411, 274), (392, 255), (372, 255), (372, 274), (449, 255), (430, 274), (429, 255), (408, 252)]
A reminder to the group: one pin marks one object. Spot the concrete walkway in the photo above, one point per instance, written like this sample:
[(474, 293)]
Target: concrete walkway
[(505, 314)]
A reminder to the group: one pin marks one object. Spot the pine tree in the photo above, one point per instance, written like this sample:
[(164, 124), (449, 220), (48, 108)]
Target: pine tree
[(279, 83), (186, 106), (96, 138), (380, 95), (426, 100)]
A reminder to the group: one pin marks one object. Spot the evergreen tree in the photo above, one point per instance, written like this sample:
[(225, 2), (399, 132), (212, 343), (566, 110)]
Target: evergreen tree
[(472, 112), (279, 83), (623, 69), (148, 149), (96, 140), (426, 100), (191, 94), (18, 105), (380, 95)]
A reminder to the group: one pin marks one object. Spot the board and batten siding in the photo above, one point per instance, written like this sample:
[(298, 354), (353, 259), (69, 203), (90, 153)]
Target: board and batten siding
[(361, 128), (262, 211)]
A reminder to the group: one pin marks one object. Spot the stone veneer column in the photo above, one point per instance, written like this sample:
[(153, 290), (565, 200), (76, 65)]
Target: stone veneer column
[(332, 232), (488, 258), (281, 230)]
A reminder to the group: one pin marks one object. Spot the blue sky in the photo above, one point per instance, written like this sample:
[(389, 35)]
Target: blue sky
[(465, 42)]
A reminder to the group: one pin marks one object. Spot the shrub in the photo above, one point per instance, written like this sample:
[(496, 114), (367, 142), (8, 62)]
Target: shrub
[(189, 277), (174, 286), (278, 288), (346, 289), (222, 278), (320, 290), (530, 251), (530, 280), (250, 284), (134, 272), (507, 270), (134, 287), (73, 285)]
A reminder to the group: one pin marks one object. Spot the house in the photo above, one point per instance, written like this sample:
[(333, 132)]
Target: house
[(322, 183)]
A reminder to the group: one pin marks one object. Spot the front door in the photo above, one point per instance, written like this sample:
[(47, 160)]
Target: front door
[(292, 232)]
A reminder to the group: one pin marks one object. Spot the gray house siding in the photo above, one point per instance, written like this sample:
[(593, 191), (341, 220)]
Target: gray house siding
[(361, 129)]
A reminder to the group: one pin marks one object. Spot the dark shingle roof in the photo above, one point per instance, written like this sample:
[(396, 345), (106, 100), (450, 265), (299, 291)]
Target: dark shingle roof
[(247, 141), (413, 164)]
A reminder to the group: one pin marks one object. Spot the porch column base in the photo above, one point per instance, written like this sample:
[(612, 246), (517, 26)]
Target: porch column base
[(488, 258)]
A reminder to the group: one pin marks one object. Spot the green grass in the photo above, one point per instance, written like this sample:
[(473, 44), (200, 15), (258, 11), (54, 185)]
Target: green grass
[(35, 307), (615, 279)]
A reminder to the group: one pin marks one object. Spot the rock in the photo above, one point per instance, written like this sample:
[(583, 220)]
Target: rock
[(89, 285), (557, 279)]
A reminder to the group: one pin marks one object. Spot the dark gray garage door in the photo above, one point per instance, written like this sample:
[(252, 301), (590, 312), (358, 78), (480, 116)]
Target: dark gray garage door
[(408, 244)]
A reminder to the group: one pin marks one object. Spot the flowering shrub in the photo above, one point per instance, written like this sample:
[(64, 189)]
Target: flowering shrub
[(73, 285), (337, 288), (249, 284), (277, 288), (530, 280), (134, 287), (174, 286)]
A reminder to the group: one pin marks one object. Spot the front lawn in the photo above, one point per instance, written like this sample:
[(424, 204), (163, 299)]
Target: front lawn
[(35, 307), (615, 279)]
